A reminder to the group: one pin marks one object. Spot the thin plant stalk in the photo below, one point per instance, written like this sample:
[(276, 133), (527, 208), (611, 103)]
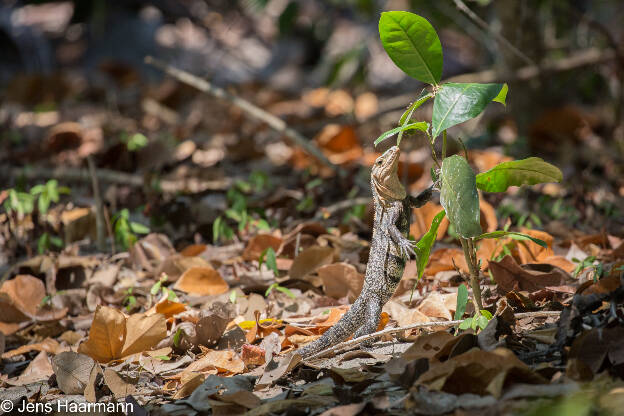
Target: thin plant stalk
[(471, 255)]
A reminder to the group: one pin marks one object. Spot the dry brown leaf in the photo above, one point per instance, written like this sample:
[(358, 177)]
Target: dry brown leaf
[(339, 143), (403, 315), (113, 336), (366, 105), (72, 371), (427, 346), (446, 259), (120, 386), (340, 280), (149, 252), (167, 308), (434, 306), (175, 265), (510, 276), (488, 219), (48, 345), (224, 362), (479, 372), (258, 243), (309, 260), (485, 160), (20, 301), (201, 281), (143, 333), (188, 384), (193, 250), (38, 369), (252, 355), (423, 217), (529, 252)]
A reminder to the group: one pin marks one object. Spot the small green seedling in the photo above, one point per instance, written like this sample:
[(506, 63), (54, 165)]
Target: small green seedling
[(268, 255), (126, 230), (414, 46), (279, 288)]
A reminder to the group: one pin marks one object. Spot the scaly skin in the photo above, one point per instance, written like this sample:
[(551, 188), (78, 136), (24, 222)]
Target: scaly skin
[(389, 251)]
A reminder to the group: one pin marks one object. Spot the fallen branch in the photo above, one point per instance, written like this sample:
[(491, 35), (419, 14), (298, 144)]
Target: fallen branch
[(190, 185), (252, 110), (364, 338)]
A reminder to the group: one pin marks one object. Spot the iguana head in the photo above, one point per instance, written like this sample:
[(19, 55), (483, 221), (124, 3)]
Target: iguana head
[(384, 176)]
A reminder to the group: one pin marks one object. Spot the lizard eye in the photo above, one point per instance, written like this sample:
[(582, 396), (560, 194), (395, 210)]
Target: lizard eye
[(379, 162)]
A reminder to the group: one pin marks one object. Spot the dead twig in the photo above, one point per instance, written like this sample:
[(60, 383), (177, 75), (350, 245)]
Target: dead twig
[(252, 110), (483, 25), (356, 341), (99, 212), (191, 185)]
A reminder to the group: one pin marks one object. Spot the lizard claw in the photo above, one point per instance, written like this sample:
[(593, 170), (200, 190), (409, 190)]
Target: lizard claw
[(406, 248)]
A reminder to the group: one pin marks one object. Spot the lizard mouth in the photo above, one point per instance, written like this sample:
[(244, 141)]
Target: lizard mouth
[(391, 155)]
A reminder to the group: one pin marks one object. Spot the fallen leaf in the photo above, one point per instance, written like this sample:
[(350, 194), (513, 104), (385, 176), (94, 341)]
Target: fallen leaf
[(120, 386), (72, 371), (38, 369), (149, 252), (113, 336), (201, 281), (529, 252), (309, 260), (188, 385), (277, 368), (258, 243), (510, 276), (488, 219), (479, 372), (252, 355), (446, 259), (48, 345), (423, 217), (434, 306), (21, 298), (340, 280)]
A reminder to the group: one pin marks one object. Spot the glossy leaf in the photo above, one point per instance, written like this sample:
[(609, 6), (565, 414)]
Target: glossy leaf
[(459, 197), (458, 102), (528, 171), (419, 125), (423, 247), (462, 301), (502, 95), (511, 234), (412, 44)]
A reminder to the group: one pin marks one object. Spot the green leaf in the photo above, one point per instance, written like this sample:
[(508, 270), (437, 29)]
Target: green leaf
[(459, 197), (43, 203), (462, 301), (139, 228), (482, 321), (216, 227), (502, 95), (407, 115), (466, 323), (511, 234), (156, 288), (528, 171), (486, 313), (423, 247), (458, 102), (286, 291), (412, 44), (269, 255), (420, 125)]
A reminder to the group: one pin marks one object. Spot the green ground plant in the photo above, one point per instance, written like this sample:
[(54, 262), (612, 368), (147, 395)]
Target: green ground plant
[(414, 46)]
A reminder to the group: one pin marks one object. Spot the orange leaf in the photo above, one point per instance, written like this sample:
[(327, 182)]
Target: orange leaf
[(201, 281), (258, 243)]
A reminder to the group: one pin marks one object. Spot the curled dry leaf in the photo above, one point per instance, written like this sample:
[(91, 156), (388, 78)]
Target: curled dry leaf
[(48, 345), (174, 266), (258, 243), (21, 298), (436, 306), (121, 386), (38, 369), (201, 281), (446, 259), (529, 252), (253, 355), (309, 260), (113, 336), (149, 252), (510, 276), (479, 372), (340, 280)]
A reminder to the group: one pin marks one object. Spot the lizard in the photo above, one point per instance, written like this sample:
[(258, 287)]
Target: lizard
[(390, 249)]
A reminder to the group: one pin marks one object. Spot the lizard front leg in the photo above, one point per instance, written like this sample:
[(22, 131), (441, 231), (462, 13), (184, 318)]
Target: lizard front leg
[(404, 246), (422, 198)]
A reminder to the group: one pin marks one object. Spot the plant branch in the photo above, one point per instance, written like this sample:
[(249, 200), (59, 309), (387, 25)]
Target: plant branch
[(387, 331), (483, 25), (474, 272), (99, 213), (252, 110)]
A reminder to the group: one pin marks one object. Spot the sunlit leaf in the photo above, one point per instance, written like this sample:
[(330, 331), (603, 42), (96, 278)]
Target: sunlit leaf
[(528, 171)]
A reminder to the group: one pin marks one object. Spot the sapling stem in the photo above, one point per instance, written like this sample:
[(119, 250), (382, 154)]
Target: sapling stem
[(471, 256), (443, 144)]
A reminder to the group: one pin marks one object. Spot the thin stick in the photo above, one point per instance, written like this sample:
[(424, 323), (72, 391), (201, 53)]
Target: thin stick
[(99, 213), (361, 339), (252, 110), (483, 25), (191, 185)]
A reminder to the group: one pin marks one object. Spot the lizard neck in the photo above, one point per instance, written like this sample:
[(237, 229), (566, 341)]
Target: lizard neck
[(388, 191)]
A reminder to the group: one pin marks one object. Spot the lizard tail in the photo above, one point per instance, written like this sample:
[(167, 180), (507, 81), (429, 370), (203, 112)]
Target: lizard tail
[(345, 327)]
